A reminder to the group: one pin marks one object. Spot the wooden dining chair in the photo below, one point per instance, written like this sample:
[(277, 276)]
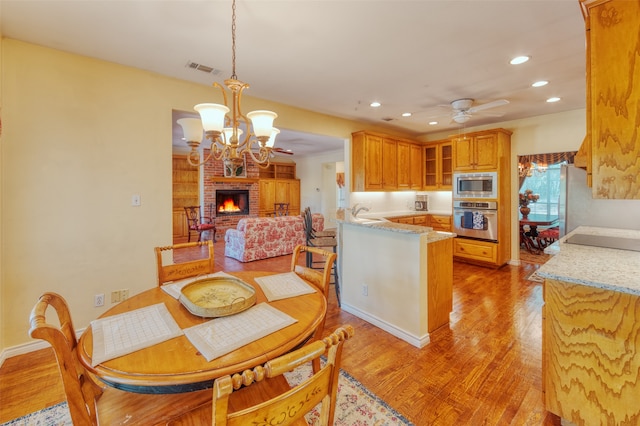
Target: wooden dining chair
[(90, 403), (262, 395), (179, 268), (197, 222), (281, 209)]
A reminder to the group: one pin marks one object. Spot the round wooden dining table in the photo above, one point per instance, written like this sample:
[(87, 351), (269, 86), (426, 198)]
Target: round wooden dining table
[(176, 365)]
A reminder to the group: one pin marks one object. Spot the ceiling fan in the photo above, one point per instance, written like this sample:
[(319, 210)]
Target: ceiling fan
[(282, 151), (463, 109)]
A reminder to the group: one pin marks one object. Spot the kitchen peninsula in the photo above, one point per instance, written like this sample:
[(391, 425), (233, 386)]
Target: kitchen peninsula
[(591, 326), (396, 276)]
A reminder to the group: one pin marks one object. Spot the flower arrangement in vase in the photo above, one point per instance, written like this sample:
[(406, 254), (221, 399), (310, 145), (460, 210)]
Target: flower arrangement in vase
[(525, 198)]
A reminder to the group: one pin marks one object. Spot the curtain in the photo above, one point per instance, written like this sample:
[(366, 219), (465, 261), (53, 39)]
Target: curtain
[(524, 161)]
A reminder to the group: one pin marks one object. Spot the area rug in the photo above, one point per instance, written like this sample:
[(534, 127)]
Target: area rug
[(355, 405)]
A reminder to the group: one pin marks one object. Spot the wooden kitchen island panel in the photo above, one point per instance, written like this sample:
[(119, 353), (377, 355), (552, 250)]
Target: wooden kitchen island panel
[(591, 327), (396, 276), (591, 339)]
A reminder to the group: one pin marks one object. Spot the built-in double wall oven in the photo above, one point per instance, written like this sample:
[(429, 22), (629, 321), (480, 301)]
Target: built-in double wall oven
[(476, 219), (472, 216)]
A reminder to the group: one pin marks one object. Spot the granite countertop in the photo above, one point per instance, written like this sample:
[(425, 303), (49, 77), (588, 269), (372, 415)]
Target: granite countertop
[(411, 213), (378, 222), (612, 269)]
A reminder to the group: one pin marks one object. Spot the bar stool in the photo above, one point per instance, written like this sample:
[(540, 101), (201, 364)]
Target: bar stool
[(323, 239)]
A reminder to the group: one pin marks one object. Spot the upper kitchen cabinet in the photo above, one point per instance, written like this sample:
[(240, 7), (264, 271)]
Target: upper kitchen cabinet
[(485, 150), (613, 97), (366, 162), (384, 163), (415, 160), (438, 167), (389, 164)]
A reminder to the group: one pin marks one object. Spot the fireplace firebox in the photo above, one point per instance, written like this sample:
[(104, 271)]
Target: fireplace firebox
[(232, 202)]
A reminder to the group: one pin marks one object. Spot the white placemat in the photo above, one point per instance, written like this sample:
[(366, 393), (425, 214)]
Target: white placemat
[(223, 335), (122, 334), (282, 286), (173, 288)]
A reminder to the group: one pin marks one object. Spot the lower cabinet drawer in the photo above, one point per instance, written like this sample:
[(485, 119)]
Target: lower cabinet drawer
[(420, 220), (441, 223), (475, 250)]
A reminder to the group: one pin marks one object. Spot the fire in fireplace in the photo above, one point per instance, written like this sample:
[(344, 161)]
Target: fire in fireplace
[(232, 202)]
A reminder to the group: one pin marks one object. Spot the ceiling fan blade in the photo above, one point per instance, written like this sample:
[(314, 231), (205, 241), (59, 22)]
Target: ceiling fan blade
[(282, 151), (489, 114), (488, 105)]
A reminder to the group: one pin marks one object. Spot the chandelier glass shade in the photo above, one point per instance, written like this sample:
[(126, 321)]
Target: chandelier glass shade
[(528, 169), (223, 125)]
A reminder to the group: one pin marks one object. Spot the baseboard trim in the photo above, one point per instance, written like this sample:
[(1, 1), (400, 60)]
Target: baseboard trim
[(25, 348), (412, 339)]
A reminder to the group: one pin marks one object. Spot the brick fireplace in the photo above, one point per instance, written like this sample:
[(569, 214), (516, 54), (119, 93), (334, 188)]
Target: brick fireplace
[(214, 180)]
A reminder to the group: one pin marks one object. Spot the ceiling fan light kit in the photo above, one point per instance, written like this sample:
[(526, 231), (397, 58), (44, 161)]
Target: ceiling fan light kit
[(224, 131)]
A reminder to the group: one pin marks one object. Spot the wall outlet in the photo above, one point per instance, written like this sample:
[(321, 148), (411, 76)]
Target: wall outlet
[(118, 296), (365, 290), (135, 200), (98, 300)]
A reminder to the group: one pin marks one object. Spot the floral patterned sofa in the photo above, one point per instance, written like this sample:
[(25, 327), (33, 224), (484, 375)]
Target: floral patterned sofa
[(263, 237)]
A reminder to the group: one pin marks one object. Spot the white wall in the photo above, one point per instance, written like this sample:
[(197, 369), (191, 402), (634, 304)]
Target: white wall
[(315, 187), (79, 139)]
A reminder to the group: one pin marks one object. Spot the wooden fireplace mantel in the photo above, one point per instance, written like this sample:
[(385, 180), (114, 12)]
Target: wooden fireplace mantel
[(248, 181)]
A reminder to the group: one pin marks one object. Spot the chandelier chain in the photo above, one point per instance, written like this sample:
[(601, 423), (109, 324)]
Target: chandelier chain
[(233, 40)]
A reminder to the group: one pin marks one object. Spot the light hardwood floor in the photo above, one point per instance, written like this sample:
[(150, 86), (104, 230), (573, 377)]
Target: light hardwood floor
[(484, 368)]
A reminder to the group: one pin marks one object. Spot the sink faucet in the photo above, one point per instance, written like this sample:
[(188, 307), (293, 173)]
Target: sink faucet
[(355, 209)]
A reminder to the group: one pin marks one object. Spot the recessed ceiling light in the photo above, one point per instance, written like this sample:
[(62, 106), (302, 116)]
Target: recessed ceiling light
[(433, 123), (554, 99), (375, 104), (519, 60), (540, 83), (406, 114)]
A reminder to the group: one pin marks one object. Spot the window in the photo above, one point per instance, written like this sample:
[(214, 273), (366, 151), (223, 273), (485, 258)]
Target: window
[(547, 185)]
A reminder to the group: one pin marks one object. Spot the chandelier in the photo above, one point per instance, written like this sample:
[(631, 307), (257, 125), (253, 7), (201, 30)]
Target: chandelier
[(224, 130), (528, 169)]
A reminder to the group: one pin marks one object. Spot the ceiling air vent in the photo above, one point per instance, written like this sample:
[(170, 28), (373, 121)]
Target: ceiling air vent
[(203, 68)]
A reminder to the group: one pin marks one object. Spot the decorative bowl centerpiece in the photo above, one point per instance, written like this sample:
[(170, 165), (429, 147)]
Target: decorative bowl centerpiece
[(217, 296)]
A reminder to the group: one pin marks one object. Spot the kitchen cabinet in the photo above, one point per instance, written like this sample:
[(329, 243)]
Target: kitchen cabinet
[(487, 151), (384, 163), (366, 162), (474, 250), (438, 166), (481, 151), (273, 191), (421, 220), (404, 165), (185, 193), (610, 150), (389, 164), (415, 160), (409, 166), (439, 222)]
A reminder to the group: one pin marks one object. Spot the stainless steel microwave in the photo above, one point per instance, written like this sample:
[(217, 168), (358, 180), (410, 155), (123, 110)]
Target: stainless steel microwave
[(475, 185)]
